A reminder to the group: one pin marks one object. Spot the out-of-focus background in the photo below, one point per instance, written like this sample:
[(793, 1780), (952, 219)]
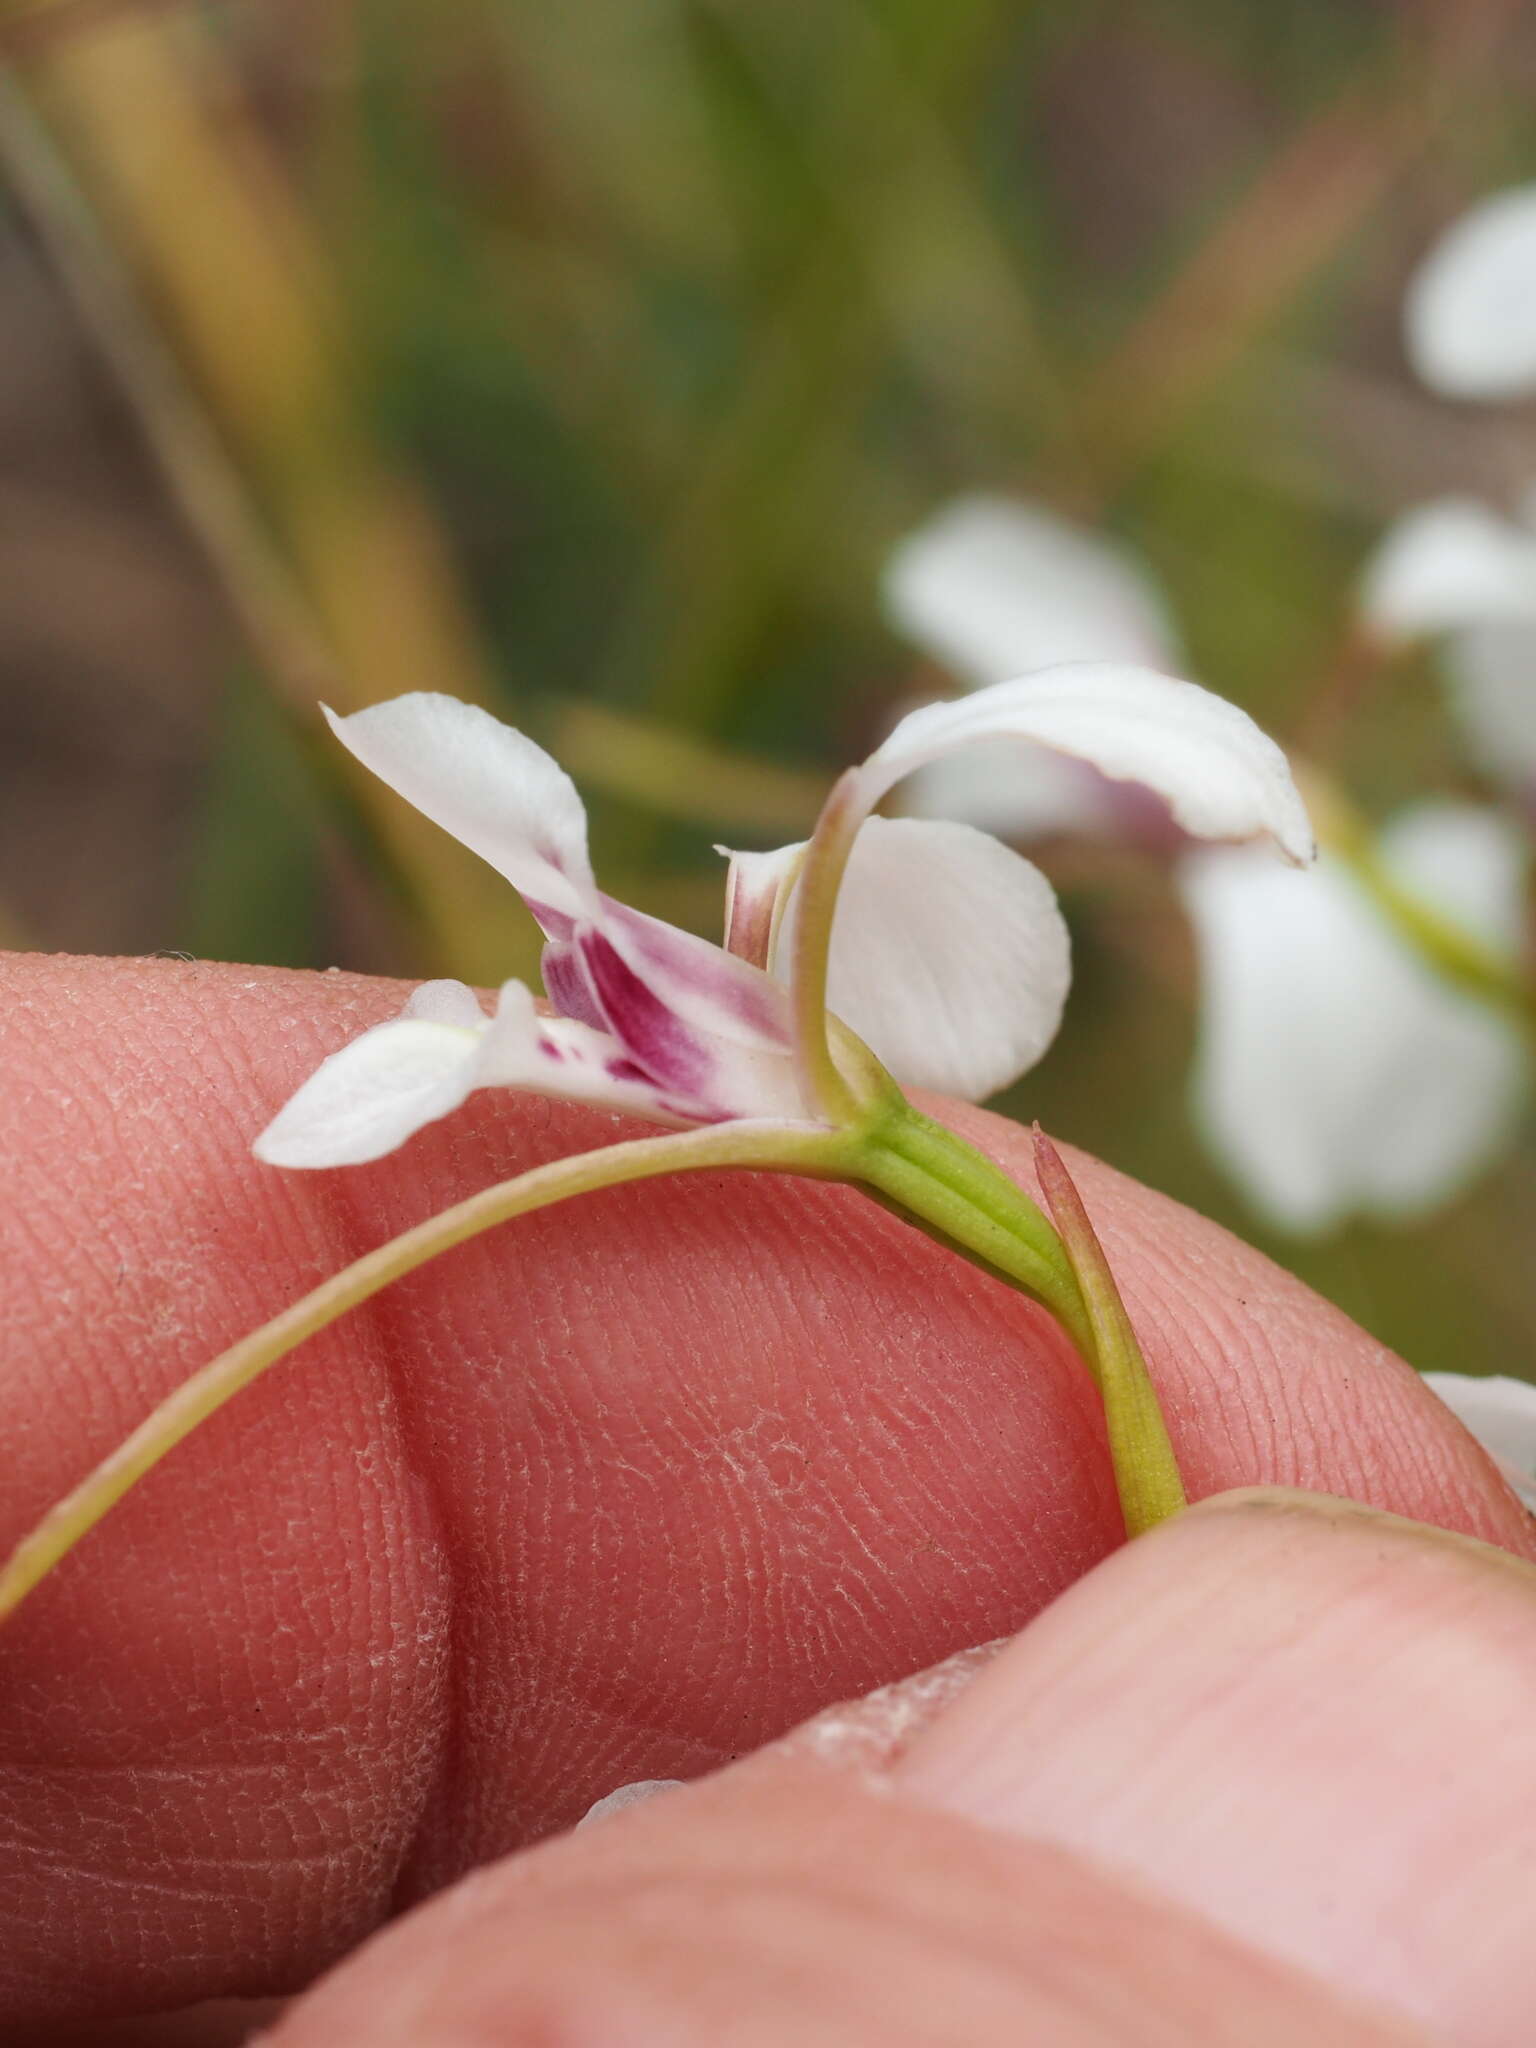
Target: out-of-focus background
[(590, 360)]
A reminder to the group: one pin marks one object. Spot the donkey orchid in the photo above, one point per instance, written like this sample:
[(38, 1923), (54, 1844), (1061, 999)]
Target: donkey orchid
[(1338, 1068), (949, 957)]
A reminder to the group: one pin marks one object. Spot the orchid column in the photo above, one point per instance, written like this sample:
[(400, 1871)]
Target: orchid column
[(882, 952)]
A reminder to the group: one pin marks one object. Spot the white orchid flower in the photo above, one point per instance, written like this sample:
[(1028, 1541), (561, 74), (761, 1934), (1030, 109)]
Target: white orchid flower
[(1471, 306), (948, 955), (949, 958), (993, 587), (1501, 1414), (1458, 571), (1336, 1072)]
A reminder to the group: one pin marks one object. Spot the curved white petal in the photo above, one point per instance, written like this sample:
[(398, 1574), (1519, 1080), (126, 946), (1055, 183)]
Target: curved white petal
[(1471, 307), (1017, 792), (1335, 1072), (1490, 674), (368, 1098), (949, 956), (373, 1094), (487, 784), (995, 586), (1221, 777), (1453, 562), (1501, 1414)]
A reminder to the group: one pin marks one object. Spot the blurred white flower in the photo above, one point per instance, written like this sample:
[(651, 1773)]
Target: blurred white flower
[(993, 587), (1456, 569), (1471, 307), (1461, 572), (1336, 1073), (1501, 1414)]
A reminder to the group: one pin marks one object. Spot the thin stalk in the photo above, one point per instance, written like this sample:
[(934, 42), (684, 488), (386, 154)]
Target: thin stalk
[(1456, 955), (799, 1149), (955, 1194), (821, 877)]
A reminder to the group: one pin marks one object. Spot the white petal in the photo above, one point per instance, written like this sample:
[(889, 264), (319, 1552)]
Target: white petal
[(1453, 562), (993, 587), (1220, 776), (949, 956), (1491, 676), (1336, 1072), (757, 887), (488, 785), (1471, 308), (1018, 792), (368, 1098), (1501, 1414), (1467, 862)]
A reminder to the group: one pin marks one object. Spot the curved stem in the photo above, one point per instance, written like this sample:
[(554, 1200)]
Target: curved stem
[(796, 1148), (1458, 956), (956, 1194), (821, 877), (952, 1191)]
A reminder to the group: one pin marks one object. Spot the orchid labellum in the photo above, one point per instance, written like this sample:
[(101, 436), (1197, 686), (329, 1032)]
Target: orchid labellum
[(881, 953)]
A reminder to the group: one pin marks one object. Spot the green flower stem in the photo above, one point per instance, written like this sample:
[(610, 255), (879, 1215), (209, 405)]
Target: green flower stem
[(1457, 956), (900, 1158), (954, 1193), (804, 1149)]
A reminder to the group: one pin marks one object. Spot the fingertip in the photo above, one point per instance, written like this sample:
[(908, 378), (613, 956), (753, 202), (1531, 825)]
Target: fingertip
[(1302, 1718)]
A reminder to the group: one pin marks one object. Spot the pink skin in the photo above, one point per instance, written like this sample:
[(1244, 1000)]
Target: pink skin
[(620, 1491)]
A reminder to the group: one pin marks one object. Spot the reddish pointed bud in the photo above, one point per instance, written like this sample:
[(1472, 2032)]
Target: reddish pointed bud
[(1146, 1472)]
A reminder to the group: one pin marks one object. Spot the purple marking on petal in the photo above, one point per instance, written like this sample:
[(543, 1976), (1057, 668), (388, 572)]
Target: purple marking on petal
[(626, 1070), (654, 1036), (567, 986), (756, 1002), (554, 924)]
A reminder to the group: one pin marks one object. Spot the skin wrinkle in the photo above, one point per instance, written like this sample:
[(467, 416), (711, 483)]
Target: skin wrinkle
[(96, 1824), (263, 1516)]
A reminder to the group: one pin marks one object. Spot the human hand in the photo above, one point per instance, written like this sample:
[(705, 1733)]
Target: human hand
[(628, 1488)]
